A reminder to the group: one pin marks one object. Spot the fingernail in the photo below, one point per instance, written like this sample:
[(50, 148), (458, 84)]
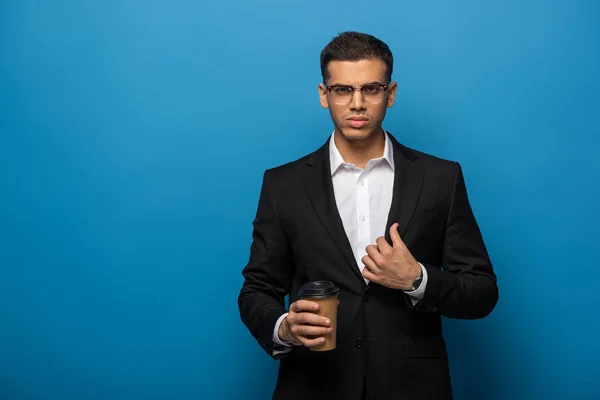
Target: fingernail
[(329, 329), (327, 321), (315, 307)]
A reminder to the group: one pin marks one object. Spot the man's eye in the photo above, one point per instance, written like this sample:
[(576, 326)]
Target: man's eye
[(342, 90)]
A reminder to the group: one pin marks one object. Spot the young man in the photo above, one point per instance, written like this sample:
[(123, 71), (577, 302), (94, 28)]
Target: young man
[(392, 227)]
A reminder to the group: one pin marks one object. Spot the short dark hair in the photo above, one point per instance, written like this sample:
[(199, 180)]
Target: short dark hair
[(356, 46)]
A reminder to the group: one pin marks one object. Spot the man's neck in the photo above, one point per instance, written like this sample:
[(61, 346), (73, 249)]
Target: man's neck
[(359, 152)]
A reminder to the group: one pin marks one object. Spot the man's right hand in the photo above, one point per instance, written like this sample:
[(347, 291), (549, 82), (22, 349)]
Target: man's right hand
[(302, 327)]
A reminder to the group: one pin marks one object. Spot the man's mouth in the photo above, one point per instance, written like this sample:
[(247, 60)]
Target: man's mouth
[(357, 122)]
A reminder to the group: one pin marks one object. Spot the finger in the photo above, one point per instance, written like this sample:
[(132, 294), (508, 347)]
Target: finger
[(307, 318), (375, 255), (370, 264), (304, 305), (395, 236), (367, 274), (312, 342), (310, 331), (382, 244)]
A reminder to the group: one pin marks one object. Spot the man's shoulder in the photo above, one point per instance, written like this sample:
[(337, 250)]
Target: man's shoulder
[(437, 168), (423, 158), (294, 167), (432, 160), (288, 167)]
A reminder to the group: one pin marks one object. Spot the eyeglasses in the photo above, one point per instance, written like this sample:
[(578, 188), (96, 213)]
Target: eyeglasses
[(343, 94)]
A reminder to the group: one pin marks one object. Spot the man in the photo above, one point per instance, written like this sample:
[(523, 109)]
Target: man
[(392, 227)]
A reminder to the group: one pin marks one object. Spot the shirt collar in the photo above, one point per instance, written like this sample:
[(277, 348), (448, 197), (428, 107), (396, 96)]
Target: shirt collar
[(336, 160)]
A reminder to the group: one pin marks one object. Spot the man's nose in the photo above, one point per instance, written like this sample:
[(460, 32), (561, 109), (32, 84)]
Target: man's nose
[(358, 101)]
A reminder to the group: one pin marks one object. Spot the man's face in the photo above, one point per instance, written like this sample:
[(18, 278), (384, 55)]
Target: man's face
[(357, 119)]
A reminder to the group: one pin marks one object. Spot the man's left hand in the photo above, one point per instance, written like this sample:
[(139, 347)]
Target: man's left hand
[(391, 266)]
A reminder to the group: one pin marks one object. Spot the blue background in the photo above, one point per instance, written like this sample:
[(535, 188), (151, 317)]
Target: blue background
[(134, 134)]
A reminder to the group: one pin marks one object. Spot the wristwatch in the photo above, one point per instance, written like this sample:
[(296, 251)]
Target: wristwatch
[(417, 282)]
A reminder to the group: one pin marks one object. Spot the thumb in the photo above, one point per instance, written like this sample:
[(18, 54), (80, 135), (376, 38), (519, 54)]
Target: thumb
[(395, 236)]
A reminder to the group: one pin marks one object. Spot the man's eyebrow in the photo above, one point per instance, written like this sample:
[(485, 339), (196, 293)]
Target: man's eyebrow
[(369, 83)]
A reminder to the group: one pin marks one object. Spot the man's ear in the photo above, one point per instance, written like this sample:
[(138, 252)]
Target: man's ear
[(323, 98), (391, 98)]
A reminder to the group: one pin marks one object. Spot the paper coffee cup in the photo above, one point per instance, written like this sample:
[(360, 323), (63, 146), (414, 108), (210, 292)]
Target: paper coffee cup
[(325, 294)]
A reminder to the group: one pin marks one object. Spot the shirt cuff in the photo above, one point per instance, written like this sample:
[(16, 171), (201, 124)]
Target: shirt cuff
[(276, 338), (418, 294)]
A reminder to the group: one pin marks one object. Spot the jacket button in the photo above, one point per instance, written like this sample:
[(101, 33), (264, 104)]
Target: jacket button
[(366, 297), (359, 343)]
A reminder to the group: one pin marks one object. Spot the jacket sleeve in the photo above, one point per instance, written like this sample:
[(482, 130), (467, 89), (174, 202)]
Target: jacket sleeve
[(465, 287), (268, 273)]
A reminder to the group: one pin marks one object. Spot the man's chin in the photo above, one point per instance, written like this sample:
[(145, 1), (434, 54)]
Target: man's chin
[(352, 134)]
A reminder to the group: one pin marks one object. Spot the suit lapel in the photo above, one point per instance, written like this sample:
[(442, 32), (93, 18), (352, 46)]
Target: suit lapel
[(408, 182), (316, 179)]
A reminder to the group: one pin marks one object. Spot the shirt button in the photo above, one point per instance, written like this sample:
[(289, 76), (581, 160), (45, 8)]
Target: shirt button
[(362, 218), (362, 183)]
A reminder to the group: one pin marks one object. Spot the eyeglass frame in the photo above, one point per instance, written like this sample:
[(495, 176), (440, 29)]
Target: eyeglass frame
[(385, 87)]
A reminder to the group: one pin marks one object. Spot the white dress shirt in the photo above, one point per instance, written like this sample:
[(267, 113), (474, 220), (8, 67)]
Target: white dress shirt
[(363, 198)]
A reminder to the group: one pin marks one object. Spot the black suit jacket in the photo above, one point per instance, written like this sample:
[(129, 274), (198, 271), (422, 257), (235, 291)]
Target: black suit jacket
[(397, 349)]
